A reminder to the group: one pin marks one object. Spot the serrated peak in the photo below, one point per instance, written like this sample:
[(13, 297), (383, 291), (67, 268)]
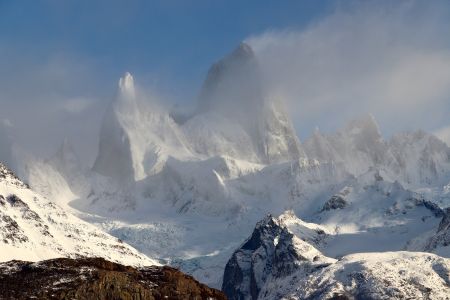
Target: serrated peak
[(126, 85)]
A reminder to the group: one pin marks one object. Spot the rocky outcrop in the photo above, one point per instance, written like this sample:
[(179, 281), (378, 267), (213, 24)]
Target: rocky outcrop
[(272, 251), (96, 278), (335, 202), (8, 176)]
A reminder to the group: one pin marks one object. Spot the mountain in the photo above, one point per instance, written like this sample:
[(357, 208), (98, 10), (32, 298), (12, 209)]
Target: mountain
[(96, 278), (387, 275), (421, 158), (413, 158), (35, 228), (188, 188), (135, 139), (233, 91), (282, 260), (272, 250), (233, 119), (220, 91)]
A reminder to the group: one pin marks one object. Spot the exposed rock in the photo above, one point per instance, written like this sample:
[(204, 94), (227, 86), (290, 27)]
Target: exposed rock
[(338, 201), (96, 278), (271, 251), (433, 207), (442, 236), (279, 262), (335, 202), (445, 223), (7, 176)]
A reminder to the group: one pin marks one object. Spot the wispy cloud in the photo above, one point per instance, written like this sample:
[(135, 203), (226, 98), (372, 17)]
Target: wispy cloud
[(389, 59), (50, 99), (76, 105)]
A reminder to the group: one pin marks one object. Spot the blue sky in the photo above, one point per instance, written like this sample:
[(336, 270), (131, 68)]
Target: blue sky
[(330, 61), (169, 42)]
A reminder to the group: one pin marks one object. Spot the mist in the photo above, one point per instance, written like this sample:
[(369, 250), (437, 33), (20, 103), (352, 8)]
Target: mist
[(388, 59), (391, 60)]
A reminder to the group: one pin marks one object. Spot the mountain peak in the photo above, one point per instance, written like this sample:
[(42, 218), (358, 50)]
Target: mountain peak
[(126, 86), (364, 124), (243, 51), (234, 81)]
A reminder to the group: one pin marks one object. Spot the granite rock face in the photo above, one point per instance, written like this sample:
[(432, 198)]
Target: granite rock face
[(272, 251), (442, 236)]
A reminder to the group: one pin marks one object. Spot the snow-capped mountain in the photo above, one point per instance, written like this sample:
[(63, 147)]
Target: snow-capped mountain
[(413, 158), (34, 228), (135, 140), (272, 250), (233, 90), (232, 119), (188, 189), (282, 260), (386, 275)]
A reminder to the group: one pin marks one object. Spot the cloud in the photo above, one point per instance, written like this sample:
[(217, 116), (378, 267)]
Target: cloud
[(391, 60), (6, 123), (52, 98), (76, 105)]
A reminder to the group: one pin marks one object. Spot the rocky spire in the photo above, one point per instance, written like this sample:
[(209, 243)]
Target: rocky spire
[(126, 95), (233, 83), (126, 85)]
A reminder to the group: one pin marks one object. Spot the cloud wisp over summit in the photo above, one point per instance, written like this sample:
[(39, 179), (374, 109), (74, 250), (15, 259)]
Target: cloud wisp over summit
[(390, 60)]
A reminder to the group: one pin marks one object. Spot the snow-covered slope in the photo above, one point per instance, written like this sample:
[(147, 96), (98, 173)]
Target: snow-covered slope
[(436, 240), (413, 158), (373, 214), (387, 275), (282, 260), (34, 228), (422, 158), (135, 139), (233, 119)]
